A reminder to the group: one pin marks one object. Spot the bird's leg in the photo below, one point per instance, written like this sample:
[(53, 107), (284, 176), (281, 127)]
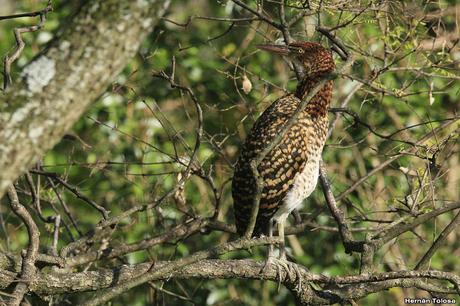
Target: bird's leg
[(281, 263), (283, 259), (271, 259), (271, 248), (282, 244), (271, 255)]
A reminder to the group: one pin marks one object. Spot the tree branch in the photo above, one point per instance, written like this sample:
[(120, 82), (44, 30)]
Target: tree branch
[(28, 264), (438, 242), (54, 91), (339, 287), (169, 268)]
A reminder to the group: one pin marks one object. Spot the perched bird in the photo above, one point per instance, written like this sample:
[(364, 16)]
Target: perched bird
[(290, 170)]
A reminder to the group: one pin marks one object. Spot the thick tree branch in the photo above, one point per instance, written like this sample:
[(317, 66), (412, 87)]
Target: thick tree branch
[(61, 82), (153, 273), (340, 287)]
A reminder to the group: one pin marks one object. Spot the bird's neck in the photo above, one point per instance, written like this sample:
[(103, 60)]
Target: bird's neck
[(319, 104)]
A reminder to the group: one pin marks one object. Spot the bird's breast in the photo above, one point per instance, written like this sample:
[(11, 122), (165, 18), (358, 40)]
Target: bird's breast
[(304, 184)]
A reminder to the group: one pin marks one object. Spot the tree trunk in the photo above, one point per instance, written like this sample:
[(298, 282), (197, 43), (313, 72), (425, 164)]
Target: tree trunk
[(58, 85)]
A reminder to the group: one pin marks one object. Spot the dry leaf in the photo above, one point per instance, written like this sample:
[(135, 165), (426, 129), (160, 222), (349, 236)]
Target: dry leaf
[(247, 85)]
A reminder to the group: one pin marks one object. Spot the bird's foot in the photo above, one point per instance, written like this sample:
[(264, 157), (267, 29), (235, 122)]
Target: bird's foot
[(289, 268), (298, 273), (278, 265)]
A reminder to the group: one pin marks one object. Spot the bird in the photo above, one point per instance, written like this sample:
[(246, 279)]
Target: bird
[(289, 172)]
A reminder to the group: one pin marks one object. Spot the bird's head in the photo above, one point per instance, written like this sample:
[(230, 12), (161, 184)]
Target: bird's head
[(313, 57)]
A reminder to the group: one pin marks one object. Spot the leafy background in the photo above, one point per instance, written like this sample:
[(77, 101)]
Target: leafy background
[(124, 151)]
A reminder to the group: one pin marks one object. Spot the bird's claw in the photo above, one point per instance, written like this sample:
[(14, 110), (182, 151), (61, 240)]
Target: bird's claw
[(279, 264)]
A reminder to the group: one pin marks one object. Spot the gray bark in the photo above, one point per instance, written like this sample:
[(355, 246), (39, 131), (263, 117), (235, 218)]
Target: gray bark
[(60, 83), (344, 287)]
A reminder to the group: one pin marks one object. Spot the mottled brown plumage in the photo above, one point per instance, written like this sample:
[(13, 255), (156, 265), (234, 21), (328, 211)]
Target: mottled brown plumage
[(290, 170)]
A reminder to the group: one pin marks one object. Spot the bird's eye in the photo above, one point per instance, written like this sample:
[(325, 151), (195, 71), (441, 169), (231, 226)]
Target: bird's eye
[(300, 51)]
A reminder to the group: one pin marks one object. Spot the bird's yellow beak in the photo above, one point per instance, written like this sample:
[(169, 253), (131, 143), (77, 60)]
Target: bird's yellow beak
[(278, 49)]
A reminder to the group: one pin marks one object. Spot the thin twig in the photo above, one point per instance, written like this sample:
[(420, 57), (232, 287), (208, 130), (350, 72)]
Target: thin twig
[(47, 9), (298, 67), (10, 59), (387, 162), (180, 231), (258, 14), (341, 50), (56, 220), (198, 131), (343, 104), (74, 190)]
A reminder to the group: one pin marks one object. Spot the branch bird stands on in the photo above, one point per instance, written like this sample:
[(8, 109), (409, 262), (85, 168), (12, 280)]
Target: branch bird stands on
[(268, 184)]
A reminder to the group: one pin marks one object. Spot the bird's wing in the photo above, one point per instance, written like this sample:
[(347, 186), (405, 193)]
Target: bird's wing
[(279, 167)]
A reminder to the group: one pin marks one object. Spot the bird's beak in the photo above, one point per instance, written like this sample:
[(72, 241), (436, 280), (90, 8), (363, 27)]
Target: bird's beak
[(278, 49)]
